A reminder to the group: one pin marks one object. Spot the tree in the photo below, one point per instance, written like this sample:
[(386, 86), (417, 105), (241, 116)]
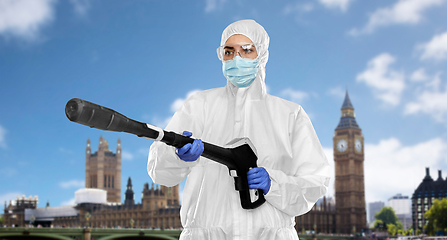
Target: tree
[(392, 229), (378, 224), (387, 215), (409, 232), (437, 217), (399, 225), (418, 232)]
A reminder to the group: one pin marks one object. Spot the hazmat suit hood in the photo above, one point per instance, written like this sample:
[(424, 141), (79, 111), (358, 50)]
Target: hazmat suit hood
[(257, 34)]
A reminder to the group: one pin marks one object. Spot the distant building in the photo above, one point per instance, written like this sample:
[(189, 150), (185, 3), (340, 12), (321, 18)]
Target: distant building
[(349, 172), (320, 218), (425, 195), (103, 169), (402, 208), (100, 201), (159, 209), (374, 207), (14, 212), (347, 214)]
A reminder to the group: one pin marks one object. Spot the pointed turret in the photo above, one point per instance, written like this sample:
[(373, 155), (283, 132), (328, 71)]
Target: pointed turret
[(347, 102), (88, 149), (440, 179), (118, 147), (103, 145), (347, 119), (129, 194), (427, 176)]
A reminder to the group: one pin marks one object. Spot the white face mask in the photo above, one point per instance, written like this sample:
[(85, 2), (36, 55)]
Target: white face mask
[(240, 71)]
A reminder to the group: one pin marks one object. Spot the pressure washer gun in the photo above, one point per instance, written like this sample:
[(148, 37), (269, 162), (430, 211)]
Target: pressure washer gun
[(239, 158)]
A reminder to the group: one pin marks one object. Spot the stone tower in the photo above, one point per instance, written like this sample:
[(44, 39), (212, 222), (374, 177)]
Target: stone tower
[(103, 169), (349, 173)]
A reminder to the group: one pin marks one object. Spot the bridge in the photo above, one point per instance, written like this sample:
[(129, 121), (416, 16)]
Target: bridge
[(21, 233)]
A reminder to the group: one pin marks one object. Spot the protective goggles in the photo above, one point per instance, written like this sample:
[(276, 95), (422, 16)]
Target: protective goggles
[(244, 50)]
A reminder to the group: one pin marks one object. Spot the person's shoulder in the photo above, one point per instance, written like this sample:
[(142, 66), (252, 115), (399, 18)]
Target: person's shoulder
[(284, 104), (205, 94)]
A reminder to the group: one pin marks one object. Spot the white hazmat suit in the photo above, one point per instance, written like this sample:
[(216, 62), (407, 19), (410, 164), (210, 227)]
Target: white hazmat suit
[(286, 144)]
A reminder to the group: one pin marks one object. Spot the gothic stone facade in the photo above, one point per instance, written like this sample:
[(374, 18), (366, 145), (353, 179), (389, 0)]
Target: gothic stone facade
[(103, 169)]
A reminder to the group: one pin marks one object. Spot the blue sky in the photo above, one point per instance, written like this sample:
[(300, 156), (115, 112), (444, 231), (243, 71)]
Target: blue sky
[(143, 58)]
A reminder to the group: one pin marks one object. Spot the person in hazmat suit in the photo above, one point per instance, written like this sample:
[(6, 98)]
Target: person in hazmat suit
[(292, 171)]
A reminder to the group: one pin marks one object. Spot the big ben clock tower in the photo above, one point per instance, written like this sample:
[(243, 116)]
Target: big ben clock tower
[(349, 177)]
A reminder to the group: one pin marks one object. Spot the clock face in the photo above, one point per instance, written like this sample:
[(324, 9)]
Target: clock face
[(342, 145), (358, 145)]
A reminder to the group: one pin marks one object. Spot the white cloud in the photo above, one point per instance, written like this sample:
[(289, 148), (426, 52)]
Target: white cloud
[(72, 184), (143, 151), (179, 101), (8, 172), (127, 155), (298, 8), (65, 151), (294, 95), (2, 137), (25, 18), (400, 168), (81, 7), (336, 4), (432, 101), (161, 122), (70, 202), (212, 5), (402, 12), (386, 84), (436, 49), (419, 75)]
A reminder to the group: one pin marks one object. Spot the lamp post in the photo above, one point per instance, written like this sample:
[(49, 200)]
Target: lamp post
[(32, 219), (87, 217)]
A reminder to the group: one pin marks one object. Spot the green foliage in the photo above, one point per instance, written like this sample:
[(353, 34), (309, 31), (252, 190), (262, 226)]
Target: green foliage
[(387, 215), (1, 219), (400, 226), (378, 224), (392, 229), (409, 232), (437, 217), (418, 232)]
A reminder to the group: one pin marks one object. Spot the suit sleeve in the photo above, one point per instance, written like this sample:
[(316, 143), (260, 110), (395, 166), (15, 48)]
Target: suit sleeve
[(297, 192), (164, 166)]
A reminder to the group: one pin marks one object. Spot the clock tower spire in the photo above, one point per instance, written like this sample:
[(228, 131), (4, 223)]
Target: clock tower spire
[(349, 172)]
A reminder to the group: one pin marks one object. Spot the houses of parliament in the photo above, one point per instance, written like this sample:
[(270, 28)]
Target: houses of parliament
[(100, 205)]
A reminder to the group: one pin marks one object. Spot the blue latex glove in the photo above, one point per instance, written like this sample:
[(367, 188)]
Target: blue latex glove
[(190, 152), (258, 178)]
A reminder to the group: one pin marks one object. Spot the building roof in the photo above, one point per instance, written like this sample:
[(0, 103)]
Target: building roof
[(430, 188), (49, 213), (347, 102), (347, 120)]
